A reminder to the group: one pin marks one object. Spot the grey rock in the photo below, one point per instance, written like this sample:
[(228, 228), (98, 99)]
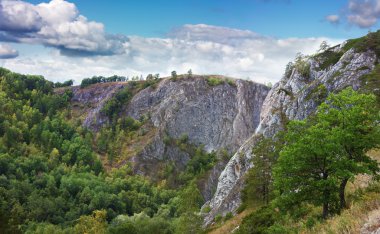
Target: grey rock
[(219, 117), (293, 97)]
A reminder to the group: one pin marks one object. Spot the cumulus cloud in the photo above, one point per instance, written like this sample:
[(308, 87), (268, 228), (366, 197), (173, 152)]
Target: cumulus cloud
[(56, 24), (363, 13), (205, 49), (7, 52), (334, 19)]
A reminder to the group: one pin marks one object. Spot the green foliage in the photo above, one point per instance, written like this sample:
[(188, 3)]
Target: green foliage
[(371, 83), (324, 152), (228, 216), (64, 84), (328, 58), (51, 180), (215, 81), (174, 76), (302, 65), (101, 79), (218, 218), (189, 74), (259, 179), (258, 221), (113, 106), (369, 42), (318, 94), (196, 167)]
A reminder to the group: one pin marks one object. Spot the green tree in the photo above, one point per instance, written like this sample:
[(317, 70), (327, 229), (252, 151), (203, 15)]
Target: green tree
[(355, 124), (323, 152), (190, 73), (174, 75), (259, 180)]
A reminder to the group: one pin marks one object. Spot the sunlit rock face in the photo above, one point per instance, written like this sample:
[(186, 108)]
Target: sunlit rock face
[(221, 116), (293, 97)]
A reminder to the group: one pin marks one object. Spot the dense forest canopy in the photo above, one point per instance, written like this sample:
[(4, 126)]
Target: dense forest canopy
[(52, 180)]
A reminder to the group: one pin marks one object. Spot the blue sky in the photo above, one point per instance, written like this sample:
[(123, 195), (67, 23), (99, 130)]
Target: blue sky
[(279, 18), (250, 39)]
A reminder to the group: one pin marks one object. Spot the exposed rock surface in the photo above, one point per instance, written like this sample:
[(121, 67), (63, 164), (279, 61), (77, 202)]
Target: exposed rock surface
[(294, 97), (221, 116), (372, 226)]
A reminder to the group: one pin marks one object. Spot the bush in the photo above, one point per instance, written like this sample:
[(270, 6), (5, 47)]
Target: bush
[(214, 81), (218, 218), (258, 221), (228, 216)]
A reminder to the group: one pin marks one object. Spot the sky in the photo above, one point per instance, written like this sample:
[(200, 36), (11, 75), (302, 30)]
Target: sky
[(249, 39)]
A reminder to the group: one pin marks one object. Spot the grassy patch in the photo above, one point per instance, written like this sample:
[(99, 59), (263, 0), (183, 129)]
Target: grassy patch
[(215, 81), (318, 94), (371, 82), (328, 58)]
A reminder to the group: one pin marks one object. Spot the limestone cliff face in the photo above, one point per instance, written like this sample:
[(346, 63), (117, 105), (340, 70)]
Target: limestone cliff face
[(219, 116), (294, 97)]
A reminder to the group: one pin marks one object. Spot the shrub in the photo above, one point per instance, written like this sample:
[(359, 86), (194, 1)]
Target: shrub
[(214, 81), (258, 221), (228, 216), (218, 218), (206, 209)]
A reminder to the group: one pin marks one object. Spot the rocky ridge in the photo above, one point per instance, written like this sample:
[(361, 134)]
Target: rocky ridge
[(295, 96), (218, 116)]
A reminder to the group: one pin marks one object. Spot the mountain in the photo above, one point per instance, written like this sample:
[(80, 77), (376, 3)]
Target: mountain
[(126, 156), (306, 84), (219, 116)]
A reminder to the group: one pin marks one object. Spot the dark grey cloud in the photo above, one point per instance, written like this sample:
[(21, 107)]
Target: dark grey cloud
[(56, 24), (7, 52)]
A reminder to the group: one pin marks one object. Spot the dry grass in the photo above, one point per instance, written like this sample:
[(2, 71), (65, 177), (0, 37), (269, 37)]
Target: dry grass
[(351, 220), (229, 225), (363, 216)]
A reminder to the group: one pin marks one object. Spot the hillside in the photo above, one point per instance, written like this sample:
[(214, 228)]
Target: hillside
[(305, 85), (177, 155)]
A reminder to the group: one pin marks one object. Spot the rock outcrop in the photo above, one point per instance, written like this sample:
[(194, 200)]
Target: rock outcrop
[(218, 116), (295, 96)]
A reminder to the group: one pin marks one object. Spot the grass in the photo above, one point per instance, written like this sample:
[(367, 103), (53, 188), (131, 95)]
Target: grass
[(363, 212), (328, 58), (371, 82), (354, 218), (231, 224), (364, 206)]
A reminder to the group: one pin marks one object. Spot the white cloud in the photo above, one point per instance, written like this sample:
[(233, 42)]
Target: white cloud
[(7, 52), (363, 13), (205, 49), (56, 24), (334, 19), (78, 42)]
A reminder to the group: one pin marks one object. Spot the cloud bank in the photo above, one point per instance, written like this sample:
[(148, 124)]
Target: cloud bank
[(75, 47)]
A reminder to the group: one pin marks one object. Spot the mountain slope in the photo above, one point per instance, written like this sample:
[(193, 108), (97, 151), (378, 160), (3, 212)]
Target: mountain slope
[(219, 116), (305, 85)]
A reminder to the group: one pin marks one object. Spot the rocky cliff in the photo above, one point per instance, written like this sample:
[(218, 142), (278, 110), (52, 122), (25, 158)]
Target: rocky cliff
[(295, 96), (219, 115)]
